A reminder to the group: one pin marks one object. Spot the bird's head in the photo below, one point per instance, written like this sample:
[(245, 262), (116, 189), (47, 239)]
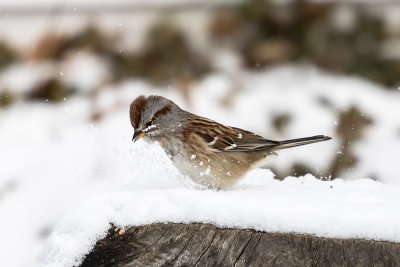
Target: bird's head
[(155, 117)]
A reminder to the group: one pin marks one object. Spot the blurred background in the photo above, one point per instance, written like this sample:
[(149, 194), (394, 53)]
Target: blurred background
[(281, 68)]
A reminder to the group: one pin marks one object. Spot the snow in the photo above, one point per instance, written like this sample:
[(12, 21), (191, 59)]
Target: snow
[(32, 73), (85, 71), (109, 16), (206, 172), (356, 209), (50, 3), (56, 163)]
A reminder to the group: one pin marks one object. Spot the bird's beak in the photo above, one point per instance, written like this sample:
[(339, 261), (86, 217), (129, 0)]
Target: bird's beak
[(137, 135)]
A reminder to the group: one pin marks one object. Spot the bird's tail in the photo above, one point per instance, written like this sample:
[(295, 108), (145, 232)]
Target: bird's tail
[(300, 141)]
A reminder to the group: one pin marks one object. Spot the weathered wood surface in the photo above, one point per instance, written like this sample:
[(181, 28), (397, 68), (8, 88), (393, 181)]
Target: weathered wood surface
[(207, 245)]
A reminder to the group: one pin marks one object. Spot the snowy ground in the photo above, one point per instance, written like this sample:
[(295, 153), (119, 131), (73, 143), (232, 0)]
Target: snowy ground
[(56, 162), (356, 209)]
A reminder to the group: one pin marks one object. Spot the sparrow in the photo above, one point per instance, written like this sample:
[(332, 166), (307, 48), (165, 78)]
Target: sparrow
[(211, 154)]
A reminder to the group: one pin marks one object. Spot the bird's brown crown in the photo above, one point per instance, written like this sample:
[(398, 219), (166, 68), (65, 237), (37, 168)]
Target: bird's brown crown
[(136, 109), (141, 104)]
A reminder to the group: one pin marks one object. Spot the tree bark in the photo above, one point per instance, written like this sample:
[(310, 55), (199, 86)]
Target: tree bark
[(206, 245)]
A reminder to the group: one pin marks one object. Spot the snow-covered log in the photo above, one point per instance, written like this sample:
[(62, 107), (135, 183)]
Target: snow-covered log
[(207, 245)]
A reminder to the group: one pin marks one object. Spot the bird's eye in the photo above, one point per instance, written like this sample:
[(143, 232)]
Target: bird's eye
[(148, 124)]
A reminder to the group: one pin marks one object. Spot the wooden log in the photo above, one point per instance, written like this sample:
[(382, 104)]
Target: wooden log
[(207, 245)]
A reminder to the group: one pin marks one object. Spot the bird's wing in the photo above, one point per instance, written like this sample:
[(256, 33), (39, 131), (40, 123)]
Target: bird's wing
[(220, 138)]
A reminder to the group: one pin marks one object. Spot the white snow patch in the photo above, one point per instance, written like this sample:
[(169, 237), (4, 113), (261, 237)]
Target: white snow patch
[(84, 71), (206, 172), (353, 209), (21, 78), (66, 159)]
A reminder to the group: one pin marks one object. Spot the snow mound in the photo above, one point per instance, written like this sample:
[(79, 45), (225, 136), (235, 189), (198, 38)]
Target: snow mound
[(342, 209)]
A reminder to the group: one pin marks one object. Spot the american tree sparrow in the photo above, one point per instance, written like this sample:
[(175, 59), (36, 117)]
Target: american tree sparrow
[(211, 154)]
